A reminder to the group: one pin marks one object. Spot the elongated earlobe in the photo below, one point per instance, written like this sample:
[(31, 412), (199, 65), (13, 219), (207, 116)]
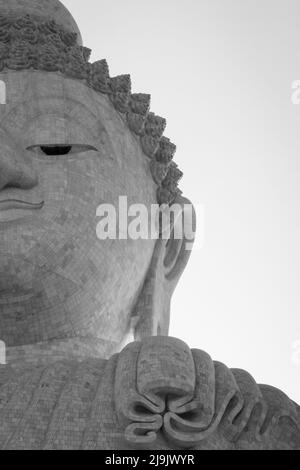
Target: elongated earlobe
[(151, 315)]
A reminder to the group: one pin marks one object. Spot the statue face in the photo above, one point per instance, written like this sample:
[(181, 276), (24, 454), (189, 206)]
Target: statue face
[(57, 279)]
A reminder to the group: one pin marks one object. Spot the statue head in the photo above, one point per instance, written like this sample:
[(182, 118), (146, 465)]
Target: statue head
[(73, 138)]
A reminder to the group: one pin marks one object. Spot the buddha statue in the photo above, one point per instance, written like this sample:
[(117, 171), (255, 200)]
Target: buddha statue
[(85, 320)]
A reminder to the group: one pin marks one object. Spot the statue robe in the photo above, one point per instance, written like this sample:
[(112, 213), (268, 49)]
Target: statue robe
[(156, 394)]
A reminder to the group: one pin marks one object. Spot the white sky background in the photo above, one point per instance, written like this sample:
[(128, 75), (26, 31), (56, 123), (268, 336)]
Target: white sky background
[(221, 72)]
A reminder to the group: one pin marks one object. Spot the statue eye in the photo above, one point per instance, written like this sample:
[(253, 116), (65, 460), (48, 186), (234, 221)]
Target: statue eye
[(60, 149), (56, 150)]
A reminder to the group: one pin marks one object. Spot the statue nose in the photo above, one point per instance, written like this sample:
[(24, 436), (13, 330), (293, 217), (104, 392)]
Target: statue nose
[(15, 173)]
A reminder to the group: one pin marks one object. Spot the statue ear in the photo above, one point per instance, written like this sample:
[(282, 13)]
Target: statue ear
[(151, 315)]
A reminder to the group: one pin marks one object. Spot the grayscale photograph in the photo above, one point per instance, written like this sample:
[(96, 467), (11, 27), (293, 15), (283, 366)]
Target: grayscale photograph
[(150, 228)]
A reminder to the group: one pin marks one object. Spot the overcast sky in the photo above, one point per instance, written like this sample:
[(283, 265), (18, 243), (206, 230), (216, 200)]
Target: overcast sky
[(221, 72)]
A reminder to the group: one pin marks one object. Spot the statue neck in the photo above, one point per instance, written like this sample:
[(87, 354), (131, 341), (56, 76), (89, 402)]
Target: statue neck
[(60, 349)]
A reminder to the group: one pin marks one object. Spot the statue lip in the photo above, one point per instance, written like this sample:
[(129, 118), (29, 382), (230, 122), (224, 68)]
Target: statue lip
[(18, 204)]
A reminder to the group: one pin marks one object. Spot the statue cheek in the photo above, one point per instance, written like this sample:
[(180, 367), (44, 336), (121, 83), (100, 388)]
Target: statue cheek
[(52, 175)]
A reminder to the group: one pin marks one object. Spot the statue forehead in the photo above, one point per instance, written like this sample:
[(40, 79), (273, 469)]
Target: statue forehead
[(40, 105), (31, 86), (30, 94)]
